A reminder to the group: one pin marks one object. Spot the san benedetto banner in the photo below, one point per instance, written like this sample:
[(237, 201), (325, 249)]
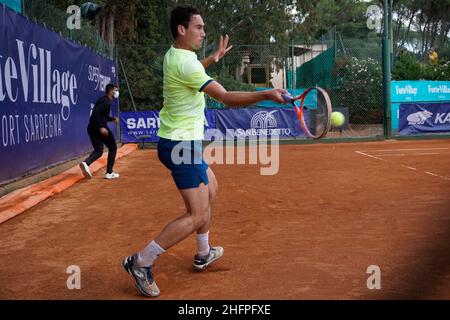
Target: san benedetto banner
[(48, 86)]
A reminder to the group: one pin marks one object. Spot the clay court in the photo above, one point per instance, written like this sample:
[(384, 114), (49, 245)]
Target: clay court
[(308, 232)]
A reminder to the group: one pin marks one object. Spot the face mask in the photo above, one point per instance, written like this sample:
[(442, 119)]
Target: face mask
[(116, 94)]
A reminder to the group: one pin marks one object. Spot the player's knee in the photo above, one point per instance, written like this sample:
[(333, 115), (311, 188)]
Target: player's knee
[(200, 218), (203, 219)]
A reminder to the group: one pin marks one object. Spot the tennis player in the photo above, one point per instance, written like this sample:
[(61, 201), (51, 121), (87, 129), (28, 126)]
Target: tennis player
[(182, 124)]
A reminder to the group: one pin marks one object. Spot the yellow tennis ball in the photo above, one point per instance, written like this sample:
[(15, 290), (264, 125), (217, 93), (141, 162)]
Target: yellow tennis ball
[(337, 119)]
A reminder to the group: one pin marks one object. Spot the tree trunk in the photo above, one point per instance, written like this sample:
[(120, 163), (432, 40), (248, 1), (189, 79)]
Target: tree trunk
[(110, 28), (103, 32), (409, 28), (398, 29), (425, 32), (443, 35), (434, 30)]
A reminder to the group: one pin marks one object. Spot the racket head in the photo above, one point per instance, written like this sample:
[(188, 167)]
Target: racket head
[(314, 109)]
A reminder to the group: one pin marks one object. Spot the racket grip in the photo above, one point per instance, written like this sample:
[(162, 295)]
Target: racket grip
[(287, 97)]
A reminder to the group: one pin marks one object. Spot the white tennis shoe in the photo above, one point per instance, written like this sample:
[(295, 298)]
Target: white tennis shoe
[(202, 262), (85, 169), (112, 175)]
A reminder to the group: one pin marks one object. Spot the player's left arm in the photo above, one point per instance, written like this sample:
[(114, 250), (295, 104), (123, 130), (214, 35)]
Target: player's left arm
[(221, 51)]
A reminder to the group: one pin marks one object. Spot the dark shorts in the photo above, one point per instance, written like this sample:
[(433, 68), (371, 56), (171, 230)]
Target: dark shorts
[(185, 160)]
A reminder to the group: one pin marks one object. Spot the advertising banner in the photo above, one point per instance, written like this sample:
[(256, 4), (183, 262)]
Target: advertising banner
[(424, 118), (48, 86), (143, 126), (254, 123)]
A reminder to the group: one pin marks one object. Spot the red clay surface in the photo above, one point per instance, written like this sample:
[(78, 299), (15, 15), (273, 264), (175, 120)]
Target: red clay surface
[(308, 232), (23, 199)]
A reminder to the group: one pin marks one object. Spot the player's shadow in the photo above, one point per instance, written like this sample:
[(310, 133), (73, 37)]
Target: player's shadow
[(426, 269)]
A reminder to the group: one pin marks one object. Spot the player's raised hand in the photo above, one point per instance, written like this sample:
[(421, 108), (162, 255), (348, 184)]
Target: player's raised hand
[(223, 48)]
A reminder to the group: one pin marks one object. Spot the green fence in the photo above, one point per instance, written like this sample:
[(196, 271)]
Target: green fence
[(350, 69), (318, 71)]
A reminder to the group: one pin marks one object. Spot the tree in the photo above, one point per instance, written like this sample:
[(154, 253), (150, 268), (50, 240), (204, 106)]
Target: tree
[(421, 25), (406, 68), (247, 22)]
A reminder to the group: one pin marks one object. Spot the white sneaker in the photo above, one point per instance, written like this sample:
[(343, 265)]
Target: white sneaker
[(85, 169), (112, 175), (202, 262)]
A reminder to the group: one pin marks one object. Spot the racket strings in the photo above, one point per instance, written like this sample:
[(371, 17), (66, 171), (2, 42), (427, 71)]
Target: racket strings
[(316, 117)]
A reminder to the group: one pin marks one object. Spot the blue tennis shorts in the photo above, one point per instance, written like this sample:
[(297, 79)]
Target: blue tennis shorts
[(185, 160)]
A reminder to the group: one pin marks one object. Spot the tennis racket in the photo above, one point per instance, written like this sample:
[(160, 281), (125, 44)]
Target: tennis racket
[(313, 108)]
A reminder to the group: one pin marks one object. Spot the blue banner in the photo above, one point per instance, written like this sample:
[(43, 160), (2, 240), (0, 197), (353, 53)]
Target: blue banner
[(424, 118), (143, 126), (416, 91), (254, 123), (48, 86)]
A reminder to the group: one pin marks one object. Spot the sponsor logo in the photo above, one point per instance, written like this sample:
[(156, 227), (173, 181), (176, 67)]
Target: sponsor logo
[(263, 120), (418, 117), (262, 123), (442, 118), (438, 89), (408, 89), (142, 123)]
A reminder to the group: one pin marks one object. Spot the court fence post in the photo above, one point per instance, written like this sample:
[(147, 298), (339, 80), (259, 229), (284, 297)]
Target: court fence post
[(387, 69)]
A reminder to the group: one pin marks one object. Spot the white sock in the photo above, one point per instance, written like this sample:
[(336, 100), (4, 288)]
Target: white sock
[(202, 244), (148, 256)]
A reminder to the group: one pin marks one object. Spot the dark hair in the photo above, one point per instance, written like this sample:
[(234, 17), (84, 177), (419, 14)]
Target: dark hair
[(181, 15), (110, 87)]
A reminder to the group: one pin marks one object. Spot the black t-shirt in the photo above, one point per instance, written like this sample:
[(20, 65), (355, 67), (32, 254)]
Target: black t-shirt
[(100, 114)]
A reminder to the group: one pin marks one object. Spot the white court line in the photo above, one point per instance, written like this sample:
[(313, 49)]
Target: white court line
[(394, 150), (406, 154), (412, 168), (402, 165), (436, 175), (368, 155)]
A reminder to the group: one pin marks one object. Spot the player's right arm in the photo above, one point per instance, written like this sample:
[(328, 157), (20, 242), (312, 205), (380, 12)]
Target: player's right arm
[(236, 98)]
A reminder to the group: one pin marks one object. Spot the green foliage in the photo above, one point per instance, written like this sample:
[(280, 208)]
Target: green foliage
[(406, 68), (229, 83), (144, 37), (143, 70), (440, 71), (246, 22), (316, 17), (420, 25), (359, 87), (53, 14)]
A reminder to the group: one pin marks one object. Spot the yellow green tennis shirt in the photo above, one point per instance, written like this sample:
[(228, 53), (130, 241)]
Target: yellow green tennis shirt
[(182, 116)]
